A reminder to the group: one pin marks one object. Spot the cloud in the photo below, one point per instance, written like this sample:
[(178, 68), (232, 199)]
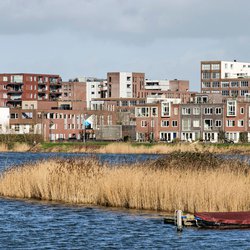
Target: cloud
[(129, 21)]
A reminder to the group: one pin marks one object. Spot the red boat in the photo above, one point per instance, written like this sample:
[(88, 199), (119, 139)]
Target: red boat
[(223, 220)]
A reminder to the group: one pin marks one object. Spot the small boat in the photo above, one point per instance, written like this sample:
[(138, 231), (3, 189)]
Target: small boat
[(223, 220)]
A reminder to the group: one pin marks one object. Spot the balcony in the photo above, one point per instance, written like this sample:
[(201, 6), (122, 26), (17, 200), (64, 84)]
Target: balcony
[(14, 83), (41, 83), (14, 91), (43, 90)]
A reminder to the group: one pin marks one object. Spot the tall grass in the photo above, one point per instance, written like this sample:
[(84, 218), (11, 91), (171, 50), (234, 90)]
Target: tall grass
[(187, 181)]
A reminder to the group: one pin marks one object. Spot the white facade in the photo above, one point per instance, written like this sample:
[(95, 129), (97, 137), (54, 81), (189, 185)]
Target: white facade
[(162, 85), (93, 90), (126, 85), (234, 69), (4, 119)]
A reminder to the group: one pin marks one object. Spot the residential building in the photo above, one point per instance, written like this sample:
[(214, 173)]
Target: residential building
[(228, 78), (15, 88)]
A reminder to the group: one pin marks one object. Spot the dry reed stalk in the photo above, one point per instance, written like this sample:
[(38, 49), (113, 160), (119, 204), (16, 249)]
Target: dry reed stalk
[(3, 147), (127, 148), (21, 147), (176, 182)]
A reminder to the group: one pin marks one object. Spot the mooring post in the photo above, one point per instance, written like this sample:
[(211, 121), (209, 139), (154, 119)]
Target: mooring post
[(179, 220)]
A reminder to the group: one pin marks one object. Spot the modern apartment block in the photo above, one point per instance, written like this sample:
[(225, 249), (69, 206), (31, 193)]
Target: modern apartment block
[(158, 121), (228, 78), (15, 88), (125, 84)]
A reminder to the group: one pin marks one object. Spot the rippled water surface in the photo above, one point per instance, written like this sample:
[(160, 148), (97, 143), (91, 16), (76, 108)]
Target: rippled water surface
[(40, 225)]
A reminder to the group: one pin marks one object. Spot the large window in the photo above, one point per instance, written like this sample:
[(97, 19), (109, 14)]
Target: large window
[(165, 109), (196, 123), (230, 123), (215, 84), (244, 83), (206, 85), (196, 111), (208, 111), (186, 111), (231, 108), (142, 112), (208, 124), (205, 67), (215, 66), (186, 124), (225, 84), (225, 92), (206, 75), (234, 84)]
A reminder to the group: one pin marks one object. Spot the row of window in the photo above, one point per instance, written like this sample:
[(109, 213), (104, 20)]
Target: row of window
[(233, 84), (206, 111), (235, 93), (164, 123), (213, 66)]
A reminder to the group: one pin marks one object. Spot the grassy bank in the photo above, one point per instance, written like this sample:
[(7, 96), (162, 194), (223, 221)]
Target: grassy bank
[(127, 148), (187, 181)]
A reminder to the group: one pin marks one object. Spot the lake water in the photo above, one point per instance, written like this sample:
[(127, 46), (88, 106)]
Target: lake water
[(29, 224)]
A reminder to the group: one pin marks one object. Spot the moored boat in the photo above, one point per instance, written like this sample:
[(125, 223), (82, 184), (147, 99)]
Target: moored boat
[(223, 220)]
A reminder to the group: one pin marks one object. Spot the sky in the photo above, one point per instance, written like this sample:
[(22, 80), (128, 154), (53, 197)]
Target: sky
[(165, 39)]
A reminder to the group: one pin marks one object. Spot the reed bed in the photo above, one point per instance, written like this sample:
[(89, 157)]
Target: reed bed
[(186, 181)]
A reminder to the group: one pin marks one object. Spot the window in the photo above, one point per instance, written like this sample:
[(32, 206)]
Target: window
[(225, 92), (208, 124), (243, 92), (17, 128), (5, 78), (231, 108), (208, 111), (164, 123), (217, 123), (154, 112), (142, 112), (196, 111), (234, 84), (165, 109), (234, 93), (240, 123), (196, 123), (215, 75), (215, 84), (174, 123), (14, 116), (215, 66), (225, 84), (230, 123), (206, 75), (186, 124), (205, 66), (186, 111), (244, 83), (144, 123), (206, 84), (218, 111), (242, 110)]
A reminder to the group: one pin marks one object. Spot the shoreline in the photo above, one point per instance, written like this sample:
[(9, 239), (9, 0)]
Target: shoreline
[(128, 148)]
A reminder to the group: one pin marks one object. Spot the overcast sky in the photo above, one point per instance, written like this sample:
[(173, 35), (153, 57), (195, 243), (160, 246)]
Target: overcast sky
[(166, 39)]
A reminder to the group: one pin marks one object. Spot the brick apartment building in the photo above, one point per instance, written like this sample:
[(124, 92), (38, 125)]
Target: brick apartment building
[(15, 88)]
